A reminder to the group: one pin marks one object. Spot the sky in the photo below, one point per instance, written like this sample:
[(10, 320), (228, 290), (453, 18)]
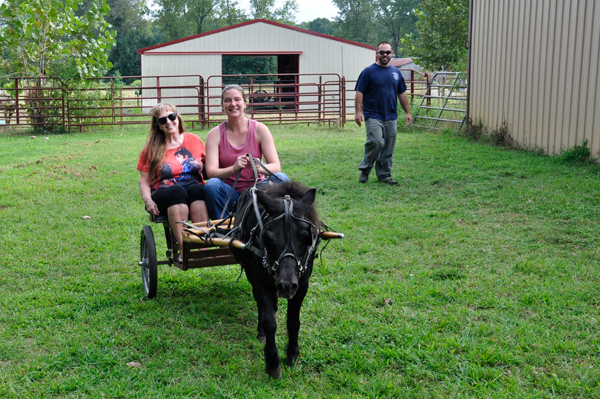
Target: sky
[(307, 9)]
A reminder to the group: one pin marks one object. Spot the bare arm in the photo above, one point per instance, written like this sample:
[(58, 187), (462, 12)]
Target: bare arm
[(406, 107), (267, 145), (359, 118), (146, 192), (212, 158)]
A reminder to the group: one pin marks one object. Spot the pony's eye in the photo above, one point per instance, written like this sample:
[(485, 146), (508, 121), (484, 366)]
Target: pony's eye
[(305, 237), (271, 236)]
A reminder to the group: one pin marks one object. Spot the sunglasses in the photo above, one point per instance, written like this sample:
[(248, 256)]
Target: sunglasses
[(388, 52), (171, 117)]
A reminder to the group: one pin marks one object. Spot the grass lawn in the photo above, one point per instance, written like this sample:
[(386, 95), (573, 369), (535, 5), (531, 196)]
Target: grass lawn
[(477, 276)]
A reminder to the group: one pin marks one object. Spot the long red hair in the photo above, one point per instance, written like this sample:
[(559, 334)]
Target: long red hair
[(156, 143)]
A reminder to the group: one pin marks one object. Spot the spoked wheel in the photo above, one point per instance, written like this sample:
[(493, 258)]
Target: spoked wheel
[(148, 262)]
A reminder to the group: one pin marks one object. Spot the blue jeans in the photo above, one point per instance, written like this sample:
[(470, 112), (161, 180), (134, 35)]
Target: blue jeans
[(216, 192), (379, 148)]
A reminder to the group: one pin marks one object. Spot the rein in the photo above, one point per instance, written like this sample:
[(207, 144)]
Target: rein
[(253, 162)]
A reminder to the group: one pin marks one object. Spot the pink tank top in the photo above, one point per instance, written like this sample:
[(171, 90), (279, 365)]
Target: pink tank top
[(228, 153)]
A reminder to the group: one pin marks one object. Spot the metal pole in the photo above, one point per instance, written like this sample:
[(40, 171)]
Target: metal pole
[(468, 113)]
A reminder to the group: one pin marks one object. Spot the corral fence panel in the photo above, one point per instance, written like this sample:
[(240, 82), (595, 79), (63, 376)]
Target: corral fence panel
[(276, 98), (55, 105)]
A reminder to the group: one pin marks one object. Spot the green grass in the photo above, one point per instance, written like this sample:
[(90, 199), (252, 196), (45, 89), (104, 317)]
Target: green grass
[(477, 276)]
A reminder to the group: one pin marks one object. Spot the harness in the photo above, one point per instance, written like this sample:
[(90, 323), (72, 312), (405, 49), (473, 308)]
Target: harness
[(256, 241)]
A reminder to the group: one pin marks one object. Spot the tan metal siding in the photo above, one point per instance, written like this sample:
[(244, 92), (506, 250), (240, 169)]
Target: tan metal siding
[(593, 104), (534, 65)]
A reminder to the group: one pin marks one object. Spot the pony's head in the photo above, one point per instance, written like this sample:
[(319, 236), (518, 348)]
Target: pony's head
[(290, 234)]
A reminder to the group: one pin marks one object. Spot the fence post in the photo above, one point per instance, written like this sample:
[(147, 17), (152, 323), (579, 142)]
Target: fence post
[(343, 101), (112, 99), (158, 93), (63, 91), (201, 101), (428, 92), (17, 98), (252, 96), (320, 91), (412, 85)]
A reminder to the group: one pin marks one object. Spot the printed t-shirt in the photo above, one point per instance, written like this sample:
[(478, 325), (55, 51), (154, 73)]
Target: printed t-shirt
[(380, 87), (182, 165)]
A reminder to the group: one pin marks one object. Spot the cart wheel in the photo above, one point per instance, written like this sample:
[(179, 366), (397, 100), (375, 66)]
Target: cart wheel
[(148, 262)]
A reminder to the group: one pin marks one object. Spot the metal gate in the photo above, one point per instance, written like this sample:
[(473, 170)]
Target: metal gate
[(444, 105)]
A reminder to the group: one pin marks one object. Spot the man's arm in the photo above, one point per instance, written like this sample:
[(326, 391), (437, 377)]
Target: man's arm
[(403, 97), (358, 108)]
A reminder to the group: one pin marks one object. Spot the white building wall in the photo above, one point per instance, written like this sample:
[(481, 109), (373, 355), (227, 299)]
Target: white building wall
[(202, 55)]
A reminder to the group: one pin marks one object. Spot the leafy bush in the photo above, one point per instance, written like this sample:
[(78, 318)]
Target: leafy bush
[(578, 154)]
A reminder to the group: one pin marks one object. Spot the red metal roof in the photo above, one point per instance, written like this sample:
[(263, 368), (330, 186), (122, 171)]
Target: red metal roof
[(398, 62), (212, 32)]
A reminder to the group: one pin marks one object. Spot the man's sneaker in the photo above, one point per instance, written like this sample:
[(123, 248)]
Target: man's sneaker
[(364, 176), (389, 181)]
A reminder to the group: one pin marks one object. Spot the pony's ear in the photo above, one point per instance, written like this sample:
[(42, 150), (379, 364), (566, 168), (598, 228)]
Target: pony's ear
[(308, 198), (272, 206)]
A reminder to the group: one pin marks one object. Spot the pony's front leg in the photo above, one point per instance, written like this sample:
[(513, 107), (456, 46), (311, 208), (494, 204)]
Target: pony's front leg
[(293, 325), (265, 301)]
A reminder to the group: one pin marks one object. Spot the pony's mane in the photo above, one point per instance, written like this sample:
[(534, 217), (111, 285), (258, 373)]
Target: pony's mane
[(295, 190)]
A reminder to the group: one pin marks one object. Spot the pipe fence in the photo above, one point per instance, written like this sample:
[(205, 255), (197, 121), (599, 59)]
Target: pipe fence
[(51, 104)]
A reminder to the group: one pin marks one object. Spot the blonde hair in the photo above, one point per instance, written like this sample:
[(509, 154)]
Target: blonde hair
[(156, 143)]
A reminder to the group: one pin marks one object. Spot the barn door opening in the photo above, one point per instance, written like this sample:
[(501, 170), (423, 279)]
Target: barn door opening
[(287, 70)]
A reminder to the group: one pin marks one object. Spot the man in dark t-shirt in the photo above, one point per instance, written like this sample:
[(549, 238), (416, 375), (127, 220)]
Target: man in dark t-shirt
[(377, 90)]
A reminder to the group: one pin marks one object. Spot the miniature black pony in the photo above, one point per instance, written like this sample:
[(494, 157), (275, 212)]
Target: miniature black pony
[(280, 227)]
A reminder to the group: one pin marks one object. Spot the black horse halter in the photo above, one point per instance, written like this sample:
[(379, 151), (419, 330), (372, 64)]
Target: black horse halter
[(290, 249)]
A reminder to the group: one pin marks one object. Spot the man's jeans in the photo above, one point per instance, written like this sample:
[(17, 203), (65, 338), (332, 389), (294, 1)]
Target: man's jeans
[(379, 148)]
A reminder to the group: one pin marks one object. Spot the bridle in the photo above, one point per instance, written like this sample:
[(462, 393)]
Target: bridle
[(264, 220), (290, 248)]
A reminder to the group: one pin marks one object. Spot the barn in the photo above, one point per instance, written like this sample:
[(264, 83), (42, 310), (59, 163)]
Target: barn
[(534, 68), (306, 56)]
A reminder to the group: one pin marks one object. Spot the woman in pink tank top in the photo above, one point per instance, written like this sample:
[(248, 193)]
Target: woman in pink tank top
[(226, 149)]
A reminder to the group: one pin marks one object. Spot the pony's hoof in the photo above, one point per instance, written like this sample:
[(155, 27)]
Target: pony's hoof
[(275, 373), (262, 338), (291, 362)]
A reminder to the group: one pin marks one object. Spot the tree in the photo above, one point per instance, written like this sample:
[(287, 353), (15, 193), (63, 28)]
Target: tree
[(181, 18), (134, 31), (355, 21), (230, 13), (399, 19), (265, 9), (45, 36), (443, 27), (124, 56), (320, 25)]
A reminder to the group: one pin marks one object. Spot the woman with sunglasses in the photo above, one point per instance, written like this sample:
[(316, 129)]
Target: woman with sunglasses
[(170, 168), (226, 149)]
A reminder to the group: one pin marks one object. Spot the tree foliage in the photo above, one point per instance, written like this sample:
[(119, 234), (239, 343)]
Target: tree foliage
[(133, 31), (399, 19), (356, 21), (443, 30), (320, 25), (230, 13), (266, 9), (181, 18), (47, 37)]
